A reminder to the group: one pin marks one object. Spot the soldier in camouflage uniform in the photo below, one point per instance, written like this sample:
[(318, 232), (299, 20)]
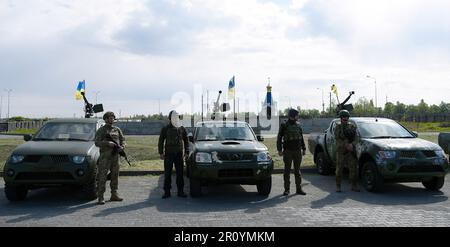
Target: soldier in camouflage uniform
[(109, 156), (291, 146), (345, 135), (173, 147)]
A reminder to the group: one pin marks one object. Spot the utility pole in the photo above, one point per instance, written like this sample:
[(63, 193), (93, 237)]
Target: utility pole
[(323, 102), (9, 92), (1, 105), (331, 112), (376, 98)]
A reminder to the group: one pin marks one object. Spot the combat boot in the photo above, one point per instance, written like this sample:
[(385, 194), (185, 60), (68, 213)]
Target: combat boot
[(166, 195), (115, 197), (300, 191), (101, 200), (355, 187), (182, 194), (286, 192), (338, 187)]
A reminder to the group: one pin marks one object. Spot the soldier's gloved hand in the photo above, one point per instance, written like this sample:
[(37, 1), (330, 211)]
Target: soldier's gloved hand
[(280, 153), (349, 147), (120, 149), (161, 156)]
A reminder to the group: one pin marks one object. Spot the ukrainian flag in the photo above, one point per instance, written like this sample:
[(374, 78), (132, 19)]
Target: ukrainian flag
[(334, 89), (231, 89), (81, 88)]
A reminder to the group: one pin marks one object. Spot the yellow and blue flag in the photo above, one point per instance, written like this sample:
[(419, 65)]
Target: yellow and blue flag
[(334, 89), (231, 88), (81, 88)]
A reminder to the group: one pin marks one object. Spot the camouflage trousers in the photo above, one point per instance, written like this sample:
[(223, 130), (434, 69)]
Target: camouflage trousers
[(352, 164), (290, 157), (105, 164)]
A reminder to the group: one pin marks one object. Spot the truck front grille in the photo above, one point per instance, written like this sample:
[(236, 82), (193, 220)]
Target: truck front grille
[(423, 167), (408, 154), (32, 158), (44, 176), (235, 156), (235, 173), (57, 159)]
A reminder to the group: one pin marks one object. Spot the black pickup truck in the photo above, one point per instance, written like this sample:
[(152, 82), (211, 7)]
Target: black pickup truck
[(386, 152)]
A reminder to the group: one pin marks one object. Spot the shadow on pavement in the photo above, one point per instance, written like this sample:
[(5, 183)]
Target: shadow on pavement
[(44, 204), (393, 193)]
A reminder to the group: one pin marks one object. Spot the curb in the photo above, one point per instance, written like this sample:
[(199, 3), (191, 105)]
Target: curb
[(157, 173)]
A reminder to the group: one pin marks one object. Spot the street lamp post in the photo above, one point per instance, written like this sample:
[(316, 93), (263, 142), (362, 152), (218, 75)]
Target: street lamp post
[(376, 98), (1, 105), (323, 102), (9, 92)]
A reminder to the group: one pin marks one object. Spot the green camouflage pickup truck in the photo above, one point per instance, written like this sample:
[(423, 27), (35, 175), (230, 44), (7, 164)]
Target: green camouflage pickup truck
[(228, 152), (386, 152), (61, 153)]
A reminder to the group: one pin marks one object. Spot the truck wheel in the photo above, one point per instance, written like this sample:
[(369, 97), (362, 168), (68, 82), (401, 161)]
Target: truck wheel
[(15, 193), (264, 187), (434, 184), (195, 187), (323, 166), (90, 188), (371, 178)]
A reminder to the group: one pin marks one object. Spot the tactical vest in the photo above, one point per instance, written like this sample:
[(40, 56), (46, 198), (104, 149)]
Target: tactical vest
[(292, 132), (174, 142)]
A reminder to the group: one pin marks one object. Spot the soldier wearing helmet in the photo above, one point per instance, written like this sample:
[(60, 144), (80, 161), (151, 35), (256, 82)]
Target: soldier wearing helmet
[(291, 145), (345, 135), (109, 156)]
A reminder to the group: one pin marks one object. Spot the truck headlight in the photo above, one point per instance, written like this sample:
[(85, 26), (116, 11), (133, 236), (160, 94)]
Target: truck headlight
[(387, 154), (263, 156), (203, 157), (16, 158), (78, 159), (440, 153)]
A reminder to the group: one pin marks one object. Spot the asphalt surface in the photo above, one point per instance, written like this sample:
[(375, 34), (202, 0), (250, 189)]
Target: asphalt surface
[(406, 204)]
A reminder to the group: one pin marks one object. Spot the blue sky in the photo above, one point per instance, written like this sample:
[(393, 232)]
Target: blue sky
[(140, 52)]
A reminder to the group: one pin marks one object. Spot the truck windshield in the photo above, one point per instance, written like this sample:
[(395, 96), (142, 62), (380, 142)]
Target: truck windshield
[(66, 132), (383, 129), (221, 133)]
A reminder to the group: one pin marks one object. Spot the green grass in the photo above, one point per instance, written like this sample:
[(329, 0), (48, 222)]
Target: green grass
[(23, 131), (427, 127)]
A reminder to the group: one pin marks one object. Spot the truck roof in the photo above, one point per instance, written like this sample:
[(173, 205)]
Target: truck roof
[(227, 122), (76, 120)]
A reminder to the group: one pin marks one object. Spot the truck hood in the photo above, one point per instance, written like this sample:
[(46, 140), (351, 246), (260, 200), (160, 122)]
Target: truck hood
[(403, 144), (230, 146), (55, 148)]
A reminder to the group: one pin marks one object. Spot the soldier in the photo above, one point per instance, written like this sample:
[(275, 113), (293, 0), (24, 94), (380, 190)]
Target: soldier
[(291, 146), (345, 135), (109, 157), (173, 147)]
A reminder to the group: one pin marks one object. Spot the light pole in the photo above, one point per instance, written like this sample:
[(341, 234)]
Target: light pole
[(376, 100), (9, 92), (1, 106), (323, 101)]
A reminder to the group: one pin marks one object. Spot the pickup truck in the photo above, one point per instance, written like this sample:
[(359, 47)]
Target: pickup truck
[(228, 152), (386, 152)]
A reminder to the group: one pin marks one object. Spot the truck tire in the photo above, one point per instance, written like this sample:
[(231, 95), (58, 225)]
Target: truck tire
[(435, 184), (195, 187), (15, 193), (264, 187), (371, 178), (90, 188), (322, 164)]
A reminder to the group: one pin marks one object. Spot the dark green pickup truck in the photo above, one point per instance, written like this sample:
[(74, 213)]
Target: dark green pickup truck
[(228, 152), (61, 153), (386, 152)]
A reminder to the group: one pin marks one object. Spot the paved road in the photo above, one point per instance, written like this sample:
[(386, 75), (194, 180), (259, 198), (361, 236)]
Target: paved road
[(225, 205)]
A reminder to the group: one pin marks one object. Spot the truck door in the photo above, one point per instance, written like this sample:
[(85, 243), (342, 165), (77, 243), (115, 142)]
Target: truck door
[(331, 142)]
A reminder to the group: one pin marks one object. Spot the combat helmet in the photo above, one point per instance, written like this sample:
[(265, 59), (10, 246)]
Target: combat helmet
[(108, 114), (344, 113)]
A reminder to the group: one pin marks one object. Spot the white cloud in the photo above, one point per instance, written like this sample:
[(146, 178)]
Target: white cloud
[(141, 51)]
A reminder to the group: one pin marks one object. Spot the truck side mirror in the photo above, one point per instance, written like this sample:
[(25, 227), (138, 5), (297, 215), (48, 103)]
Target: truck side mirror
[(260, 138), (415, 134), (27, 137)]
